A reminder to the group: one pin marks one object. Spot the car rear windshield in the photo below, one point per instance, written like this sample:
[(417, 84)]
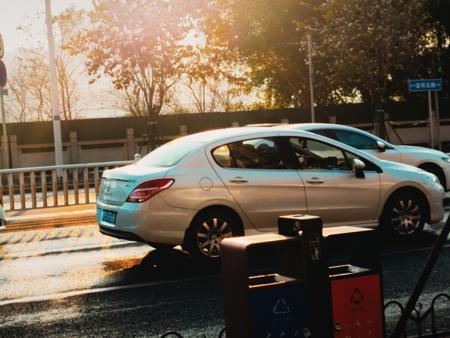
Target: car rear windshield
[(169, 154)]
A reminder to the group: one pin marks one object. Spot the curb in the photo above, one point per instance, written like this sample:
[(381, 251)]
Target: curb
[(43, 223)]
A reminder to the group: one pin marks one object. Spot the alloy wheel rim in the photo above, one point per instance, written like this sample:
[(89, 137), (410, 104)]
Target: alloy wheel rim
[(212, 231), (406, 217)]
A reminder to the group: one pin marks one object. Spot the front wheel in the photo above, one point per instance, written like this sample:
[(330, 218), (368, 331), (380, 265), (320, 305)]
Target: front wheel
[(207, 230), (404, 214)]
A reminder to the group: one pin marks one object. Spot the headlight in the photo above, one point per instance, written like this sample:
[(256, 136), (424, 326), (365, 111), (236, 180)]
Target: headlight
[(446, 159), (431, 176)]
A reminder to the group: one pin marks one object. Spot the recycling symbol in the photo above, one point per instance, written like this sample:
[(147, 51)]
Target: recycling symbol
[(281, 307), (357, 296)]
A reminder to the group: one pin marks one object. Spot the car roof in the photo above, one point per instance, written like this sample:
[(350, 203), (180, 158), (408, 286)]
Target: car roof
[(310, 125), (211, 136)]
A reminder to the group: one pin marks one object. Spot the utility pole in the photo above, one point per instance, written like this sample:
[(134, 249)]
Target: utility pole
[(5, 149), (54, 89), (3, 80), (311, 78)]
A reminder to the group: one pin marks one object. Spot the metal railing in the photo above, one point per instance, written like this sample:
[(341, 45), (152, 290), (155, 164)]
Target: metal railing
[(52, 186), (425, 323)]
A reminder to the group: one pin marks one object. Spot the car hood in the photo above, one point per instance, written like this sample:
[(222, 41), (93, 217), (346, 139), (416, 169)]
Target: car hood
[(421, 150), (399, 166)]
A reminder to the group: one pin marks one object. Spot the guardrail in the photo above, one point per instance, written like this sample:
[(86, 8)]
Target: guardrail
[(71, 184), (425, 323)]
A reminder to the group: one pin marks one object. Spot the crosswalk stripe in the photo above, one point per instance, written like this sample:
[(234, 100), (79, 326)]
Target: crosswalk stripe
[(107, 243), (35, 241), (52, 234), (75, 233), (65, 232), (26, 238), (92, 231)]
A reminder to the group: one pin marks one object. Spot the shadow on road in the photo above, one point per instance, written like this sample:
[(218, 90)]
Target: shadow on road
[(425, 240), (174, 264), (160, 265)]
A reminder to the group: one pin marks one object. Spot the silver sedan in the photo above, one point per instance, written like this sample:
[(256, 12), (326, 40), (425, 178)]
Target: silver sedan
[(201, 188)]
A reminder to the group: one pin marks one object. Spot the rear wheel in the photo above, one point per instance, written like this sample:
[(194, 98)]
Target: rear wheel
[(207, 230), (404, 214)]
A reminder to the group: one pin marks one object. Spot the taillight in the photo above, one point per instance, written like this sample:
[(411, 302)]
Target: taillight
[(146, 190)]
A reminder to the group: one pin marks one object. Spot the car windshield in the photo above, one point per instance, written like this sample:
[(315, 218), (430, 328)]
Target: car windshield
[(169, 154)]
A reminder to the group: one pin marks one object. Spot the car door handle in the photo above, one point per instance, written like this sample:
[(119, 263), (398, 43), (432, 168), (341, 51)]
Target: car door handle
[(315, 180), (238, 179)]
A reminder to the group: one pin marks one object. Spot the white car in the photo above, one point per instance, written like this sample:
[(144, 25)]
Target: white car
[(428, 159), (201, 188)]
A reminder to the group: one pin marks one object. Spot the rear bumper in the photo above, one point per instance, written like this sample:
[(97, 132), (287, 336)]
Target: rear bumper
[(120, 234), (153, 221)]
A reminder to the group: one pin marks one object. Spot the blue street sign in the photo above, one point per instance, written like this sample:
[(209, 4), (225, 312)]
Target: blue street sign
[(425, 85)]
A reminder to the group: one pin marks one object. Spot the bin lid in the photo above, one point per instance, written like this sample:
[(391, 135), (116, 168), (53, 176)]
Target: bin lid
[(255, 240), (343, 230)]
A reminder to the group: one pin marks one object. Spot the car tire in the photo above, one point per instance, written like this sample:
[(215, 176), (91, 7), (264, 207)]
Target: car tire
[(404, 214), (207, 231)]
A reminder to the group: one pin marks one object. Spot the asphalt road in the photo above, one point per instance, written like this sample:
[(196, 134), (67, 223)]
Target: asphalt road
[(73, 281)]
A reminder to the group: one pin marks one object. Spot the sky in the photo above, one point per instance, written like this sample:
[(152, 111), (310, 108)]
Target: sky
[(17, 13), (31, 13)]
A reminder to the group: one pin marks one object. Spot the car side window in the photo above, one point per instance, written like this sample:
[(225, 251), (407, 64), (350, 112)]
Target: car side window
[(260, 153), (356, 140), (315, 155), (325, 132)]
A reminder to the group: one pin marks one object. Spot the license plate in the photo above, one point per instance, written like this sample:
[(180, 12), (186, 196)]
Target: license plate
[(109, 216)]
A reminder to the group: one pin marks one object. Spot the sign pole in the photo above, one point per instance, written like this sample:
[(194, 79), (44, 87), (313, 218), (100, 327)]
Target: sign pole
[(311, 78), (54, 90), (429, 85), (5, 149), (438, 120), (431, 122)]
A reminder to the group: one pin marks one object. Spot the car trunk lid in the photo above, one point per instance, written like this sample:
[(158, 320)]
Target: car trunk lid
[(117, 184)]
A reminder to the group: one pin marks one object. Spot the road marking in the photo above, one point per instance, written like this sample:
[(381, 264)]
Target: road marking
[(36, 240), (26, 237), (52, 234), (75, 233), (107, 243), (94, 232), (62, 295), (64, 233)]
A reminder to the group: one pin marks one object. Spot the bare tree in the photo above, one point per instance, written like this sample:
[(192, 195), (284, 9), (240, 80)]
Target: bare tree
[(30, 76)]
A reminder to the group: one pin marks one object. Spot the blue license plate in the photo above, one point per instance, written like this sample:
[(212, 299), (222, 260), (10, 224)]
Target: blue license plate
[(109, 216)]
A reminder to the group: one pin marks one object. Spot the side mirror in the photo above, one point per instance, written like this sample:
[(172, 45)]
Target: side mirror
[(358, 168), (381, 146)]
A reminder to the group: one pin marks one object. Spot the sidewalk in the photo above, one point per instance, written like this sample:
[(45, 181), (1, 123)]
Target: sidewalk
[(50, 217)]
